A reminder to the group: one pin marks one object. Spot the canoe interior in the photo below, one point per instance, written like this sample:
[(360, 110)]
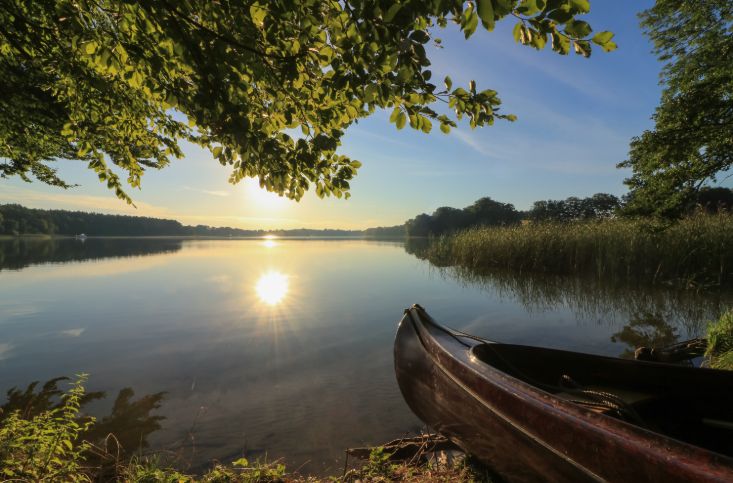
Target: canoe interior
[(688, 404)]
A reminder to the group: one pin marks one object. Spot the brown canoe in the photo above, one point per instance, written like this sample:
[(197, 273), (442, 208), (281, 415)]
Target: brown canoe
[(537, 414)]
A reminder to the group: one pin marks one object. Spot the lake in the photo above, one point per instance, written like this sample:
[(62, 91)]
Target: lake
[(280, 347)]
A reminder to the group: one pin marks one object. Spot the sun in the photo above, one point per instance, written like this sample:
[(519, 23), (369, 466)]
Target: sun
[(272, 287), (261, 199)]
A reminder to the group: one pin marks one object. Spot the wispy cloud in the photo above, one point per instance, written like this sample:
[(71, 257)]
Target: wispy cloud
[(75, 200), (208, 192), (597, 152)]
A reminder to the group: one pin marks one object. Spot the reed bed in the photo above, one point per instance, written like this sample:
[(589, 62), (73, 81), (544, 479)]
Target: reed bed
[(695, 252)]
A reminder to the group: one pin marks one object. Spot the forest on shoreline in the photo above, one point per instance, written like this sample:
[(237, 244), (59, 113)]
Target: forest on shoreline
[(16, 220)]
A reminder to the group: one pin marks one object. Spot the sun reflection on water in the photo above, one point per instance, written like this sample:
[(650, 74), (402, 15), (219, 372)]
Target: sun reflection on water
[(272, 287), (269, 241)]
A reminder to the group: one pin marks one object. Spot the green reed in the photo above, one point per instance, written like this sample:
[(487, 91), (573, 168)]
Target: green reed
[(720, 342), (695, 252)]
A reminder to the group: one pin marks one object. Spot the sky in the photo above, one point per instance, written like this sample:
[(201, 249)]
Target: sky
[(576, 117)]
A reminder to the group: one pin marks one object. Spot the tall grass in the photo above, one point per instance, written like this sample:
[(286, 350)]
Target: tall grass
[(720, 342), (695, 252)]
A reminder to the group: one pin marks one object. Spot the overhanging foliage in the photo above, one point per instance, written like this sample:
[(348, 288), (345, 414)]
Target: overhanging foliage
[(122, 83)]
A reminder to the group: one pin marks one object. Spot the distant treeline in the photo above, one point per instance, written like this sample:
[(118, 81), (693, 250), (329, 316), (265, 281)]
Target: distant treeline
[(488, 212), (18, 220)]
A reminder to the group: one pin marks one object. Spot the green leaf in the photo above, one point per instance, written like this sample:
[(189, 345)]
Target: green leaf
[(392, 11), (395, 113), (425, 124), (582, 47), (580, 6), (471, 24), (560, 44), (578, 29), (401, 120), (216, 151), (444, 127), (420, 36), (517, 31), (91, 47), (258, 13), (530, 7), (486, 13), (602, 37), (561, 15), (503, 7), (538, 40), (448, 83), (609, 46)]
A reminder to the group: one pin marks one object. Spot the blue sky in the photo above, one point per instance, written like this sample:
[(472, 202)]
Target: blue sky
[(575, 119)]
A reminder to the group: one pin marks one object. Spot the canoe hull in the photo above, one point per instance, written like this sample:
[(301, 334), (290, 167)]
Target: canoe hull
[(447, 408), (524, 435)]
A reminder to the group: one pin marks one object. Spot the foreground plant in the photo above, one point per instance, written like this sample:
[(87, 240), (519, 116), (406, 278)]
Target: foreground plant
[(51, 445), (47, 446)]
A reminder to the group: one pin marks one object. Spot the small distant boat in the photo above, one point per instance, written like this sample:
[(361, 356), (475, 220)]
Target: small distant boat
[(534, 414), (81, 236)]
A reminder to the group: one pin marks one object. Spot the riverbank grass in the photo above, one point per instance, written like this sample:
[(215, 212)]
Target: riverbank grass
[(720, 342), (695, 252)]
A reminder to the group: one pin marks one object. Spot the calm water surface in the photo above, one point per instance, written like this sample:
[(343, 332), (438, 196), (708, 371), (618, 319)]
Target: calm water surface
[(280, 347)]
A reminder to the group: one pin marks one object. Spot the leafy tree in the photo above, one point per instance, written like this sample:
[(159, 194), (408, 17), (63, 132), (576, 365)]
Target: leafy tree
[(600, 205), (692, 140), (486, 211), (419, 226), (445, 219), (120, 84), (713, 200)]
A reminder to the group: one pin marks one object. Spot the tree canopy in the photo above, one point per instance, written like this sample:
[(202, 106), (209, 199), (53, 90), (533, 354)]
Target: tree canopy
[(483, 212), (600, 205), (269, 87), (692, 139)]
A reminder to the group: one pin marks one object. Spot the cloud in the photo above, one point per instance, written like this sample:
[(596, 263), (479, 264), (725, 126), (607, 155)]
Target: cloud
[(73, 200), (208, 192), (594, 154), (470, 140)]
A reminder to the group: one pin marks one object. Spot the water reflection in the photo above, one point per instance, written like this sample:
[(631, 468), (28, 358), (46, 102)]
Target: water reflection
[(645, 330), (131, 420), (656, 316), (302, 378), (269, 243), (272, 287), (18, 253)]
